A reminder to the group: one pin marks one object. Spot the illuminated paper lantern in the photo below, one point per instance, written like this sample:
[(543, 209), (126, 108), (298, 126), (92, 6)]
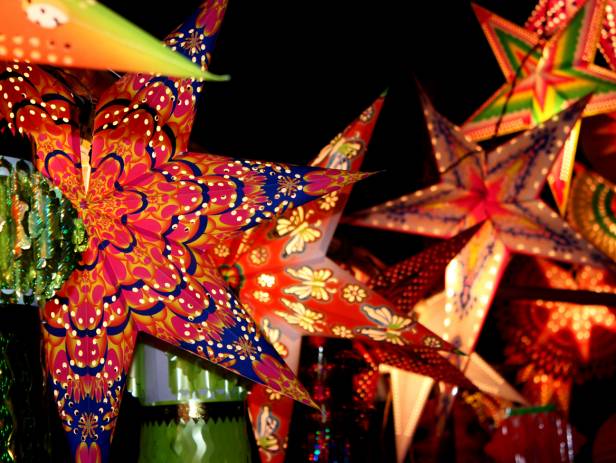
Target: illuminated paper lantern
[(592, 210), (410, 391), (499, 190), (153, 213), (549, 16), (87, 34), (555, 344), (544, 77), (283, 276)]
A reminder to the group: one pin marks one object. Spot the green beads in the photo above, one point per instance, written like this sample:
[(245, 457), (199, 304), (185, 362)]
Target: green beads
[(40, 235)]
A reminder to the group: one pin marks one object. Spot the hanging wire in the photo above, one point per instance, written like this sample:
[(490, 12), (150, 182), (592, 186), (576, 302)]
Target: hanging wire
[(543, 37), (114, 73)]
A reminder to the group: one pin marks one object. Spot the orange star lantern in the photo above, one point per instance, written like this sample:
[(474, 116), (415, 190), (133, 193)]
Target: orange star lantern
[(556, 343)]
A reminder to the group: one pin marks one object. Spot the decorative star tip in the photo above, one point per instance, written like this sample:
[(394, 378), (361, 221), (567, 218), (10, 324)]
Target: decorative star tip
[(489, 20), (211, 77), (294, 184), (483, 15), (499, 31), (327, 180), (500, 188), (451, 147), (195, 38), (542, 76), (347, 150), (87, 34)]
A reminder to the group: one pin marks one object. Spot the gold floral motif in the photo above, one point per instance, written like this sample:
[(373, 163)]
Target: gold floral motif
[(314, 283), (259, 256), (244, 347), (222, 250), (288, 186), (262, 296), (354, 293), (305, 318), (342, 332), (433, 341), (193, 42), (299, 230), (329, 201), (273, 336), (266, 280), (390, 326), (273, 395), (88, 423), (340, 152)]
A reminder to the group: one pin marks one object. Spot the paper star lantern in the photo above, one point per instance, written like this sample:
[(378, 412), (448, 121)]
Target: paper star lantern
[(407, 283), (153, 212), (498, 189), (592, 210), (85, 33), (293, 289), (556, 343), (549, 16), (543, 77)]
